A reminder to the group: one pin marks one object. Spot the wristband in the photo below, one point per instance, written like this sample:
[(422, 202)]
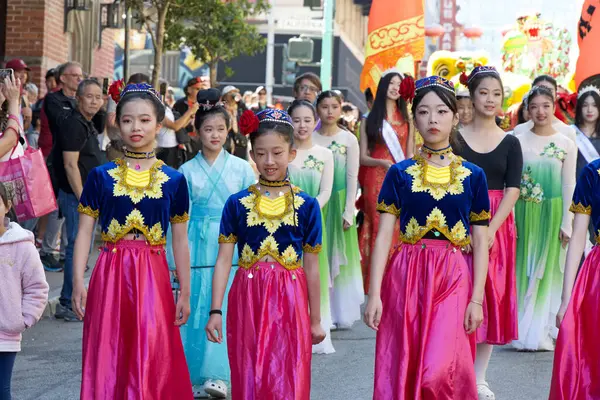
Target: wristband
[(215, 312), (477, 302)]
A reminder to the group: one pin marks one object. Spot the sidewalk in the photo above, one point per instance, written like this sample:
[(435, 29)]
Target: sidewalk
[(55, 281)]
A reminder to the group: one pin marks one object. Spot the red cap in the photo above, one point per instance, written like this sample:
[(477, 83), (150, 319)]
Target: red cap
[(17, 64)]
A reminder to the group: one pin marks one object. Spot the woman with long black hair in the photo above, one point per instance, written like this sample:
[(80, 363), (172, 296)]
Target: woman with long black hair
[(387, 138)]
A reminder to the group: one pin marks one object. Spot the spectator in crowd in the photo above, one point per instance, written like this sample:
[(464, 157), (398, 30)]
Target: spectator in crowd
[(204, 81), (261, 103), (33, 133), (10, 131), (20, 72), (349, 117), (170, 97), (247, 98), (236, 144), (307, 87), (170, 150), (59, 103), (55, 108), (76, 153), (114, 148), (51, 81), (191, 90)]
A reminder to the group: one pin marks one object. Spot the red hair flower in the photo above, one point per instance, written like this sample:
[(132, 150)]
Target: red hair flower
[(114, 91), (464, 79), (407, 88), (248, 123)]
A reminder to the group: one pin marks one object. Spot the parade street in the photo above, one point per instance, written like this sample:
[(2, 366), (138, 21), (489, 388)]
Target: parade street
[(49, 366)]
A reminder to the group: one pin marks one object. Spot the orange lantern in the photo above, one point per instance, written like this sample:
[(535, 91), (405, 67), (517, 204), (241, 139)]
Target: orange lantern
[(473, 32), (434, 31)]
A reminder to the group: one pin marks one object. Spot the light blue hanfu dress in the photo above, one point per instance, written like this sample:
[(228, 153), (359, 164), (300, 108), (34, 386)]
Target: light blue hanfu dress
[(209, 187)]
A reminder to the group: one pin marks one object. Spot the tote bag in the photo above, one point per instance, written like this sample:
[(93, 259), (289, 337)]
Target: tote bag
[(28, 185)]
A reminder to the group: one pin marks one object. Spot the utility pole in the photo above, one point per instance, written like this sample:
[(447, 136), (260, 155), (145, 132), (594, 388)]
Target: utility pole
[(270, 74), (327, 43), (126, 59)]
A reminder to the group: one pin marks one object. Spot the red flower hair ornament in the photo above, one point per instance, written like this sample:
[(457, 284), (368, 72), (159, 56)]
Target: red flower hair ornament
[(248, 123), (407, 88), (114, 91)]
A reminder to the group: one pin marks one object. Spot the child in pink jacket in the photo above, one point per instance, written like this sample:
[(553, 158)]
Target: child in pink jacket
[(23, 290)]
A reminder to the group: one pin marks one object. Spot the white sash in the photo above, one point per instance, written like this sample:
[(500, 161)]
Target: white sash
[(585, 146), (391, 140)]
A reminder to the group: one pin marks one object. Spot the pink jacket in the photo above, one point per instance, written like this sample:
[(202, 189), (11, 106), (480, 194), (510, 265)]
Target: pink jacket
[(23, 286)]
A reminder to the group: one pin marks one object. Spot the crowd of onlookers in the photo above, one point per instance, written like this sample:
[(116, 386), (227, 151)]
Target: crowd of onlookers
[(73, 125)]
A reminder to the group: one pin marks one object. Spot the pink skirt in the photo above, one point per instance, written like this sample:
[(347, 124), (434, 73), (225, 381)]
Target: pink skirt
[(500, 314), (423, 351), (131, 347), (268, 334), (576, 373)]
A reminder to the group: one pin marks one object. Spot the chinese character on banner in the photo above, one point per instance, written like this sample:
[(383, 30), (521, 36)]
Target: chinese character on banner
[(588, 38), (448, 21)]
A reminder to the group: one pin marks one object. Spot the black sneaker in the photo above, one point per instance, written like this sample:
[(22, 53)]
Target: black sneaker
[(65, 313), (50, 263)]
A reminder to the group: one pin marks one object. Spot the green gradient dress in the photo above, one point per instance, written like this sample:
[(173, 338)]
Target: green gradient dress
[(342, 245), (312, 171), (541, 212)]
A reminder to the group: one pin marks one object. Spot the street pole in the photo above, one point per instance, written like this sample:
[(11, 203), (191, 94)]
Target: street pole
[(327, 43), (270, 74), (127, 42)]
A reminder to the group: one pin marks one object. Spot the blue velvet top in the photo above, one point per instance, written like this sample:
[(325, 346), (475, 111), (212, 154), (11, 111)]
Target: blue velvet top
[(122, 207), (586, 199), (276, 228), (446, 209)]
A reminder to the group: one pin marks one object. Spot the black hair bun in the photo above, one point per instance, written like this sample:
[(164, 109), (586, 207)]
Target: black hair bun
[(208, 97)]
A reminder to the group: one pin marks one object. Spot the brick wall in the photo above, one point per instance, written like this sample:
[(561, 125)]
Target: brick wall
[(104, 57), (35, 33)]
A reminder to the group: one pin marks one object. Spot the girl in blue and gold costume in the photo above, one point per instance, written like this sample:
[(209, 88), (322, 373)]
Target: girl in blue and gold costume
[(424, 305), (212, 176), (576, 373), (277, 228), (131, 342)]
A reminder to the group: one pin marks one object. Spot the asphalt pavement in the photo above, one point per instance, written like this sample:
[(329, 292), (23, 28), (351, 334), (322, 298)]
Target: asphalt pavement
[(49, 366)]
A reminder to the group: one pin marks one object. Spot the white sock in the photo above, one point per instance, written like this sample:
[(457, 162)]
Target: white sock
[(482, 360)]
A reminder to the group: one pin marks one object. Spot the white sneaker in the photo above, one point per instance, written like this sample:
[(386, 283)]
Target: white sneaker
[(484, 392), (217, 389), (199, 393)]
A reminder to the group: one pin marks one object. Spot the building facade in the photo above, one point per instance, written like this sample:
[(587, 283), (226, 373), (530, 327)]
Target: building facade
[(44, 35)]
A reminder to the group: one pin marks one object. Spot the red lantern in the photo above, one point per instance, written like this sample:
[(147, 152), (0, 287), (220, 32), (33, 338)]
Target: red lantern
[(473, 33), (434, 31)]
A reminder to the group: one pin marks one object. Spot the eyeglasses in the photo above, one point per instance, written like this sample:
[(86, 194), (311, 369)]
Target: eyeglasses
[(309, 89), (75, 75)]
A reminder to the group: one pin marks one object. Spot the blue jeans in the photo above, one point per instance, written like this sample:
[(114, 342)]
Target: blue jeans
[(68, 207), (7, 362)]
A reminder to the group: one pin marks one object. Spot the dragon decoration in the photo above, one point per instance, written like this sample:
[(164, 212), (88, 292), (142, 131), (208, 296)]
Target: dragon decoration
[(532, 47), (535, 46)]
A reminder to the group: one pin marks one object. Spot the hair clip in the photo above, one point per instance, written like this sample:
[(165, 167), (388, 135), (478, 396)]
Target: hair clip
[(207, 105)]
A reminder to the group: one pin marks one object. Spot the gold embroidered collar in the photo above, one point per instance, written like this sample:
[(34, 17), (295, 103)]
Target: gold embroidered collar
[(458, 173), (272, 221), (152, 190)]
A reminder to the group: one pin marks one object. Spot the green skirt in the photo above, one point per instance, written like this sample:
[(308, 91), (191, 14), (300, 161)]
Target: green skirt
[(540, 271), (344, 263)]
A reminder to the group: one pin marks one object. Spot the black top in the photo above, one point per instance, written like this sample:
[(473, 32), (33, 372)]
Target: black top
[(503, 166), (181, 106), (56, 106), (77, 135)]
